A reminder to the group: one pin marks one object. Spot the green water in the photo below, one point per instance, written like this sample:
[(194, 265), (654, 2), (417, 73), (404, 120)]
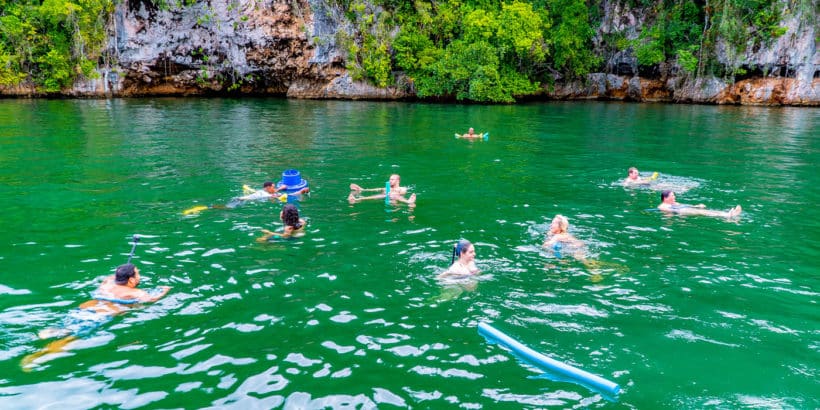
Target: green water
[(682, 312)]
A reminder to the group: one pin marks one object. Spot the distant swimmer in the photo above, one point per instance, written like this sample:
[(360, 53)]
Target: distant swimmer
[(113, 297), (472, 135), (462, 262), (293, 224), (634, 178), (396, 192), (669, 204)]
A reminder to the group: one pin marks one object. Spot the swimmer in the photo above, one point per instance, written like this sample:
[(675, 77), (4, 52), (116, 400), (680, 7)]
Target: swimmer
[(293, 224), (558, 235), (465, 264), (269, 190), (669, 204), (634, 178), (111, 298), (397, 192), (471, 134)]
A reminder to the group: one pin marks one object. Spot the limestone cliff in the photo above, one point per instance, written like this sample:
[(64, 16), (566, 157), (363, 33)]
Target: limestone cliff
[(265, 47)]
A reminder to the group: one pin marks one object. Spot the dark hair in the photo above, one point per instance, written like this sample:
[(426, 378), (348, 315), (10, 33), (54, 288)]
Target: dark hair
[(665, 194), (124, 272), (460, 246), (267, 184), (290, 216)]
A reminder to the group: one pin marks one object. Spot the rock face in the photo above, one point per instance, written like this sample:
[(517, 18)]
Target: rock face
[(289, 48), (243, 46)]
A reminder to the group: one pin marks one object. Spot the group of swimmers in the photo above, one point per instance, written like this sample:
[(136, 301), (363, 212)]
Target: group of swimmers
[(670, 204), (558, 236), (120, 290)]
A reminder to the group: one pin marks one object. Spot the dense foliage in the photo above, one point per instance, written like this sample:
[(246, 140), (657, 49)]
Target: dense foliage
[(495, 51), (478, 50), (51, 42)]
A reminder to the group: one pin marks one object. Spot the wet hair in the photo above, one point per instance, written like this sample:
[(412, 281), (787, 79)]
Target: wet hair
[(632, 169), (267, 184), (665, 194), (290, 216), (124, 272), (563, 222), (460, 246)]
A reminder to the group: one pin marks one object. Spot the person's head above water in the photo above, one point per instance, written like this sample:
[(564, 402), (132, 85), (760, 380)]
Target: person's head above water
[(465, 249), (559, 224), (395, 180), (471, 131), (632, 173), (667, 196), (290, 215), (268, 186), (125, 273)]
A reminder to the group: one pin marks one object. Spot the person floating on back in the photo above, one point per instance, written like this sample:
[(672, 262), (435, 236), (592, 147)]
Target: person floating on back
[(669, 204), (397, 192), (634, 178), (293, 224)]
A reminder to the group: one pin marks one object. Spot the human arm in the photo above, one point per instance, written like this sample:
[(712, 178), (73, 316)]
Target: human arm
[(155, 296), (355, 187), (267, 235)]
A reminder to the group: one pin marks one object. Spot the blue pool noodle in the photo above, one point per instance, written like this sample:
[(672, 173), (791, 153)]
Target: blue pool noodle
[(596, 382), (387, 193)]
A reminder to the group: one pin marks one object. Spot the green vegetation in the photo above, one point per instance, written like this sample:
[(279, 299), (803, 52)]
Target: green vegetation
[(477, 50), (490, 51), (51, 43)]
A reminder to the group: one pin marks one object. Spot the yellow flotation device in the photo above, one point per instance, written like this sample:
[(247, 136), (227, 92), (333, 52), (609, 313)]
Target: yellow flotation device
[(194, 210)]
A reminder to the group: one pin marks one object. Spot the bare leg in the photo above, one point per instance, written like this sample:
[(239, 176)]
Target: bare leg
[(354, 187), (708, 212), (31, 361)]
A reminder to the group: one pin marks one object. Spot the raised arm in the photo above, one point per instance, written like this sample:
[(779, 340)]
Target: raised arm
[(355, 187)]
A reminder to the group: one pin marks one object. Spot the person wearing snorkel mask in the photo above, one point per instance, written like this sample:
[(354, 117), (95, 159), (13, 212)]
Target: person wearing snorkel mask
[(463, 261)]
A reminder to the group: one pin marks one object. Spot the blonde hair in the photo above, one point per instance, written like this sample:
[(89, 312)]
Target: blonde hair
[(563, 222)]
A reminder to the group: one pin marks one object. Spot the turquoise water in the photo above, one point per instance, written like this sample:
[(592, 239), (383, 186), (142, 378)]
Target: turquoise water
[(682, 312)]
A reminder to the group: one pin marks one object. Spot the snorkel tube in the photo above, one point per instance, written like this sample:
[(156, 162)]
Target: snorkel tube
[(133, 248)]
